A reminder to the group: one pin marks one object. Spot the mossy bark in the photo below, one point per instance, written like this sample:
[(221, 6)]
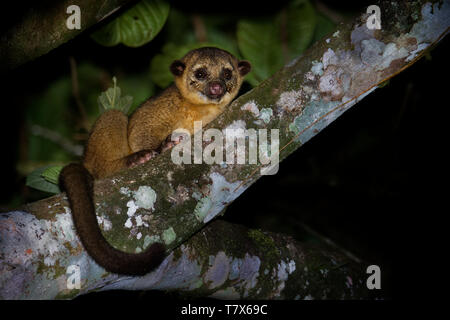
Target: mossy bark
[(43, 28)]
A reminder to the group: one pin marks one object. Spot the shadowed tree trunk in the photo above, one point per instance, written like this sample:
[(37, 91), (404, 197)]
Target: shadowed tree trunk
[(42, 29)]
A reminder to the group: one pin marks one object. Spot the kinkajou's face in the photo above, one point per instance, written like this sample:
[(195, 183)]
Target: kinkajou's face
[(209, 76)]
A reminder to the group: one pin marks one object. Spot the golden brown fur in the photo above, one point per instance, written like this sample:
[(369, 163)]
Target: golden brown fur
[(206, 80), (114, 137)]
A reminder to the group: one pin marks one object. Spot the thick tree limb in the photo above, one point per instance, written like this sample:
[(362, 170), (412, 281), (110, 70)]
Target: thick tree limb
[(44, 28), (170, 202), (222, 261)]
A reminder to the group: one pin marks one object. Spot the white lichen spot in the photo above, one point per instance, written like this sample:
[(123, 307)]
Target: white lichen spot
[(414, 53), (222, 193), (139, 221), (217, 274), (34, 238), (372, 50), (249, 272), (308, 297), (64, 223), (168, 236), (148, 240), (290, 100), (336, 34), (282, 275), (334, 82), (434, 22), (132, 207), (266, 114), (49, 261), (378, 55), (291, 266), (128, 223), (317, 68), (251, 107), (125, 191), (104, 222), (145, 197), (329, 58), (235, 267), (202, 208), (392, 52)]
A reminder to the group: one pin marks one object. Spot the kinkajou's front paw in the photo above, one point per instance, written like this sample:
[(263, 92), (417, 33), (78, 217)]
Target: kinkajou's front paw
[(140, 157), (169, 143)]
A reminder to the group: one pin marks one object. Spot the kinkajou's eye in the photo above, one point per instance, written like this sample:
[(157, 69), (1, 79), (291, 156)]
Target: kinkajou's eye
[(227, 74), (200, 74)]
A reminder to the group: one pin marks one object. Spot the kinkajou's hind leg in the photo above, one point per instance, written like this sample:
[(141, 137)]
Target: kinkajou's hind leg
[(107, 146)]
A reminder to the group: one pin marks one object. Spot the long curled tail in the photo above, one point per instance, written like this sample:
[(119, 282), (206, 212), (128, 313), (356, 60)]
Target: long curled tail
[(78, 184)]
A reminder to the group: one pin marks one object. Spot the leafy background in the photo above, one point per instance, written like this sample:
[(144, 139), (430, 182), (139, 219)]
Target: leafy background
[(353, 183), (269, 42)]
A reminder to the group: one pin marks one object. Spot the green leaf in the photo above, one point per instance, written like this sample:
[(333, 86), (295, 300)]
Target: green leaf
[(45, 109), (37, 181), (139, 86), (111, 99), (51, 174), (178, 28), (222, 40), (136, 26), (271, 43), (259, 43), (301, 24), (125, 103)]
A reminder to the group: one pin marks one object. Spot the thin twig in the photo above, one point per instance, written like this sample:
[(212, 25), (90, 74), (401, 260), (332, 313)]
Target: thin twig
[(76, 93), (55, 137), (329, 13), (199, 28), (326, 240), (284, 36)]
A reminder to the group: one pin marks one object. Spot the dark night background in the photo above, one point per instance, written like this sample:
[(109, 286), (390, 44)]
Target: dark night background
[(363, 182)]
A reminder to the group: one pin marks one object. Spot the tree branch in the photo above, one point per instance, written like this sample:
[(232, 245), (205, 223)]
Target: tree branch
[(165, 201), (42, 29)]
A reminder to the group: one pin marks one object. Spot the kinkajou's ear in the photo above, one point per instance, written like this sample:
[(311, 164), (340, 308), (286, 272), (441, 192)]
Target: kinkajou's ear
[(177, 67), (244, 67)]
